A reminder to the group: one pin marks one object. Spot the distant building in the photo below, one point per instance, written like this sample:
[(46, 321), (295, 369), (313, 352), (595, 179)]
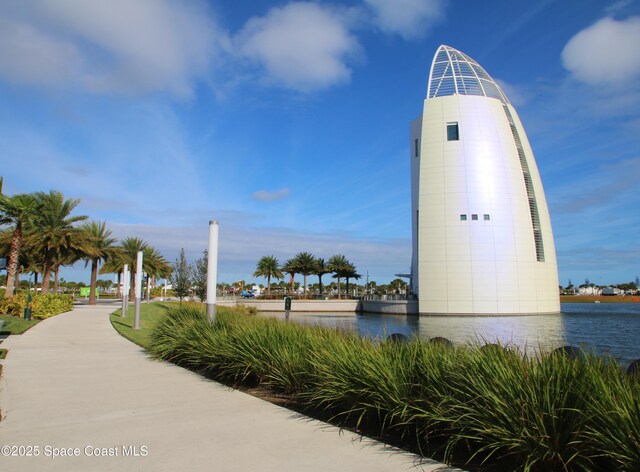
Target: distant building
[(589, 290), (482, 239), (612, 291)]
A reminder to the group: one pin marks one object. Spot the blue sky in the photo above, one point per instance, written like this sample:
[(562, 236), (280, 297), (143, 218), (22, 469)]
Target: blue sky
[(288, 121)]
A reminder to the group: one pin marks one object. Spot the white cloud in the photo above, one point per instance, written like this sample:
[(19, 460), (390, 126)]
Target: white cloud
[(607, 52), (29, 57), (116, 46), (266, 196), (517, 96), (303, 46), (411, 19), (617, 7)]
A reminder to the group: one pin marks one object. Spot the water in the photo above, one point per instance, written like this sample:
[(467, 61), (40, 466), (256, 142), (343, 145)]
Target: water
[(606, 328)]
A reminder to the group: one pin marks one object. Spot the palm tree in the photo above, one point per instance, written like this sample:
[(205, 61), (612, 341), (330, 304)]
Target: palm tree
[(338, 264), (267, 267), (320, 269), (306, 264), (290, 268), (56, 234), (351, 273), (155, 266), (18, 210), (152, 261), (103, 248)]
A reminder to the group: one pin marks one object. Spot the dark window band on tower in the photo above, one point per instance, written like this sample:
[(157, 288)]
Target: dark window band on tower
[(417, 147), (528, 184), (452, 132)]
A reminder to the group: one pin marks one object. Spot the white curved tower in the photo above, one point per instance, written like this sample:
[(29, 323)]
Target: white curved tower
[(482, 239)]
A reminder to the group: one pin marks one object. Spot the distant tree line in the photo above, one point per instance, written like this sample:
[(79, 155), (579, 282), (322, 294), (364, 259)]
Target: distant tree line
[(305, 264)]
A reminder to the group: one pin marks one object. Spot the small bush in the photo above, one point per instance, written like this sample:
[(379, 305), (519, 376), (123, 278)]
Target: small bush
[(42, 306)]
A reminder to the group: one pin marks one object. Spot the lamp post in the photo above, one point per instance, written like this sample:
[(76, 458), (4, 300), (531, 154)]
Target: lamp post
[(212, 270), (27, 310), (136, 319), (125, 278)]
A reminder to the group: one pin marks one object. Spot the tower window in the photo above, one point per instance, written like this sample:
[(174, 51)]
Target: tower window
[(474, 217), (452, 132), (463, 217), (417, 147), (486, 217)]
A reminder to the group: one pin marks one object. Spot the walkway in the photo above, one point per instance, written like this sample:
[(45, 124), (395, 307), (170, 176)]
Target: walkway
[(73, 382)]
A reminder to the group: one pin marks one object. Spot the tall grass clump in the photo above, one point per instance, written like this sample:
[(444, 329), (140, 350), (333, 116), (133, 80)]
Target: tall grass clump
[(484, 408), (515, 409), (614, 410), (240, 347)]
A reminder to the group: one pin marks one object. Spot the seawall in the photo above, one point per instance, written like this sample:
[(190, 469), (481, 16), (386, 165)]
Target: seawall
[(398, 307)]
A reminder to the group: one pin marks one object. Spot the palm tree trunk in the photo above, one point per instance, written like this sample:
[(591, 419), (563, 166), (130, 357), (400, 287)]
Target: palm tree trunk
[(46, 274), (14, 254), (119, 284), (132, 288), (320, 282), (269, 286), (347, 286), (56, 283), (305, 285), (338, 287), (94, 281)]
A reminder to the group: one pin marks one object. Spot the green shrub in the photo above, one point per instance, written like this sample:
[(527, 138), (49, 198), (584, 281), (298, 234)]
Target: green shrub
[(42, 306), (490, 408)]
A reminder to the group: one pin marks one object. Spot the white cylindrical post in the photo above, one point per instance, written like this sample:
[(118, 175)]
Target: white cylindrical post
[(136, 320), (212, 270), (123, 286), (127, 287)]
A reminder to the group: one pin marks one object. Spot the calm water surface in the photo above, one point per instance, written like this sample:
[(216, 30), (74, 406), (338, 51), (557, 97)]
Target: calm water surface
[(606, 328)]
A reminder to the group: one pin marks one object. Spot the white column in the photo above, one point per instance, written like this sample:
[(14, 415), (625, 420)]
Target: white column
[(212, 270), (125, 276), (136, 320)]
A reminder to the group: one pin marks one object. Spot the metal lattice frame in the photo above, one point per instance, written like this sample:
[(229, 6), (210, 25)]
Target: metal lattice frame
[(455, 73)]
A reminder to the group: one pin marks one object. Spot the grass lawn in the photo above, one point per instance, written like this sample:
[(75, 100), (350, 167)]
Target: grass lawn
[(150, 315), (16, 325)]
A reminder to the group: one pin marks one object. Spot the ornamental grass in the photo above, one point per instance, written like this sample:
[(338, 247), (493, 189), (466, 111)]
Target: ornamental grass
[(483, 408)]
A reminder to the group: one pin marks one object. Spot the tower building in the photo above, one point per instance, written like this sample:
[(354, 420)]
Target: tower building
[(482, 239)]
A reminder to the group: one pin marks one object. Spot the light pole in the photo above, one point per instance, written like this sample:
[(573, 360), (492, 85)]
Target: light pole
[(212, 270), (125, 277), (27, 310), (136, 319)]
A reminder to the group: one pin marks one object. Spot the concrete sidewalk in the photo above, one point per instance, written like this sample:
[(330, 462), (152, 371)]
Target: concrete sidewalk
[(72, 382)]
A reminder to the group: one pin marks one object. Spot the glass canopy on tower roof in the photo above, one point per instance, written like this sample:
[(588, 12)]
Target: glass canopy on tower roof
[(455, 73)]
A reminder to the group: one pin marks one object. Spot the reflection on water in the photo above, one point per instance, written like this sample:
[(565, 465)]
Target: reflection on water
[(612, 328)]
